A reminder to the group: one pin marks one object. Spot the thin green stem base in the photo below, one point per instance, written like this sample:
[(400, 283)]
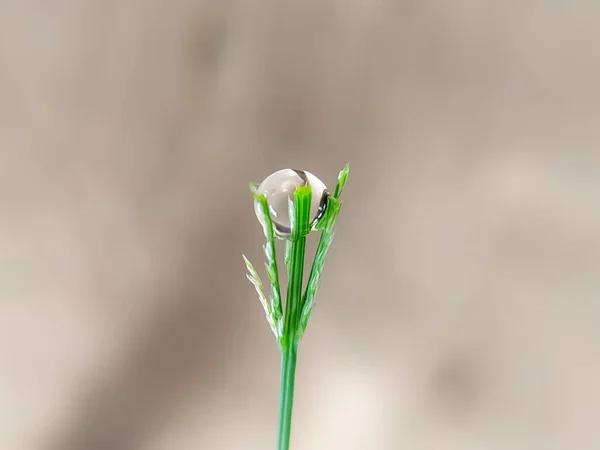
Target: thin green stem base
[(288, 375)]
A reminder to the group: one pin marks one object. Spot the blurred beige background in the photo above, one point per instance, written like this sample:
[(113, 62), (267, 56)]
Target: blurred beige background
[(460, 304)]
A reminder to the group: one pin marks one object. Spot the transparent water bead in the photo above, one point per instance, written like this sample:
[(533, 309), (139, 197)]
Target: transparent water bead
[(279, 187)]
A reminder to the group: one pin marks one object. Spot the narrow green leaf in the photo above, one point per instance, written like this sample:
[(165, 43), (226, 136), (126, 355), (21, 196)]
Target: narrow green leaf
[(342, 178), (327, 227), (262, 208), (300, 211), (252, 275)]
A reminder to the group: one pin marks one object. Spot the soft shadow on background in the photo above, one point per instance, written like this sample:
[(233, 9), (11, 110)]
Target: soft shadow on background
[(460, 304)]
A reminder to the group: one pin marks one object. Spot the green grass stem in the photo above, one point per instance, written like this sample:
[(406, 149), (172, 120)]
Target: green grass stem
[(289, 326), (300, 215)]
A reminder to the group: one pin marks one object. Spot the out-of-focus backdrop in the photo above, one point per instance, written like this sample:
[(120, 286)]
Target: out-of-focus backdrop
[(460, 304)]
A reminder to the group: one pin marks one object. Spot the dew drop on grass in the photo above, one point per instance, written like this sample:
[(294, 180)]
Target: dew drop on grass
[(280, 186)]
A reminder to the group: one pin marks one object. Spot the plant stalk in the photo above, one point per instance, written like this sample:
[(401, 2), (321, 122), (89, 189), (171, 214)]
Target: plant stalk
[(293, 308), (288, 374)]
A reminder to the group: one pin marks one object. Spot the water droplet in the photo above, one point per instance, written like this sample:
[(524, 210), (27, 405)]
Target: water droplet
[(280, 186)]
